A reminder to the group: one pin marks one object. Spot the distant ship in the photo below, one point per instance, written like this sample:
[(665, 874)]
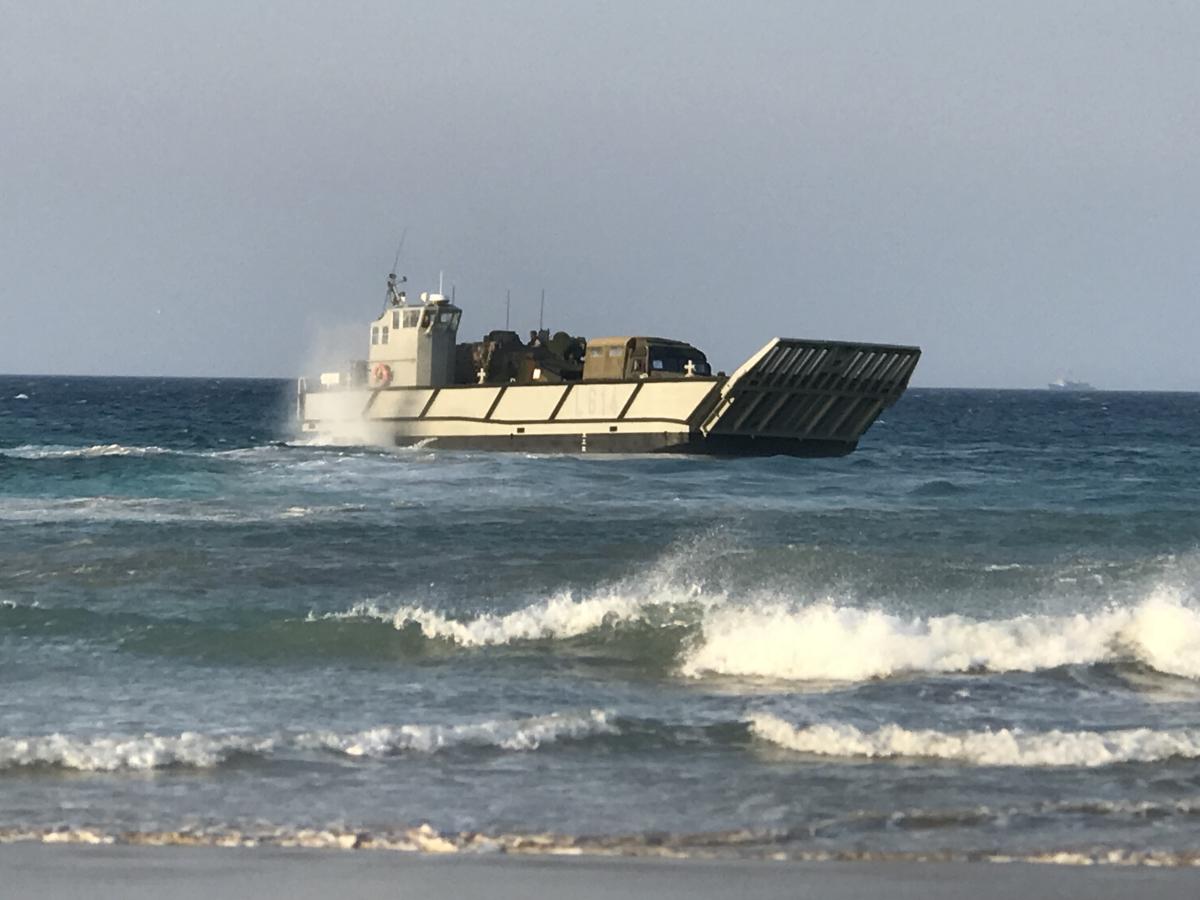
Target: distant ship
[(1066, 384), (628, 394)]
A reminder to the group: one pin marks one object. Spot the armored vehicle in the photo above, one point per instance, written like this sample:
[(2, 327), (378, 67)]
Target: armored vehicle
[(630, 394)]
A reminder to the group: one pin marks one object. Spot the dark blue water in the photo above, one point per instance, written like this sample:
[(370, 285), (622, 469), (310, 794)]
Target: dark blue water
[(977, 635)]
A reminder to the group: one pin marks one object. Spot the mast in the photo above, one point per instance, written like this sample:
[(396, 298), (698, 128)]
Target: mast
[(395, 297)]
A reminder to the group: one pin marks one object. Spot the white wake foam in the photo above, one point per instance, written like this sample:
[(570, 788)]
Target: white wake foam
[(57, 451), (64, 451), (986, 748), (505, 734), (827, 642)]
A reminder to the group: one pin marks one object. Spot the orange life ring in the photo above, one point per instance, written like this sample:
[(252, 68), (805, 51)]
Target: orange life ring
[(382, 373)]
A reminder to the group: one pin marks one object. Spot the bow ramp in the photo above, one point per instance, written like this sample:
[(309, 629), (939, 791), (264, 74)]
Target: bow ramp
[(824, 393)]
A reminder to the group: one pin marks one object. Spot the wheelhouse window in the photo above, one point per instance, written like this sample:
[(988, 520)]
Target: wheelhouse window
[(411, 316), (396, 318), (374, 335), (383, 337)]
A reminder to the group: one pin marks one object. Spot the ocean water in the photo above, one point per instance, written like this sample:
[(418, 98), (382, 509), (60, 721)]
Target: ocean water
[(978, 636)]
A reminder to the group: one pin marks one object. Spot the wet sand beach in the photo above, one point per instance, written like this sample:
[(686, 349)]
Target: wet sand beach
[(192, 873)]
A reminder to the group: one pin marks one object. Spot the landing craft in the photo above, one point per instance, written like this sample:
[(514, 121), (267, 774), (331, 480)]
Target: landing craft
[(561, 393)]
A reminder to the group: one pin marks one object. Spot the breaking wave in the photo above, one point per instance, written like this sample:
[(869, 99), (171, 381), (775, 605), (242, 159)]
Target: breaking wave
[(117, 752), (518, 735), (827, 642), (1005, 747), (111, 753), (559, 617), (771, 638)]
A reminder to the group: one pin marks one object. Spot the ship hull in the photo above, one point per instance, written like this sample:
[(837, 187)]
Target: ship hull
[(794, 397), (600, 442)]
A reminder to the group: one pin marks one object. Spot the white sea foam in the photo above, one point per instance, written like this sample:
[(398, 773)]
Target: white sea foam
[(425, 839), (505, 734), (828, 642), (64, 451), (112, 753), (560, 616), (986, 748), (772, 637), (117, 509), (58, 451), (303, 512)]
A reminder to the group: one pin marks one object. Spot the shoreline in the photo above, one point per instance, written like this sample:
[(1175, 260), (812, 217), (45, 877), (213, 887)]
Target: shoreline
[(198, 873), (736, 847)]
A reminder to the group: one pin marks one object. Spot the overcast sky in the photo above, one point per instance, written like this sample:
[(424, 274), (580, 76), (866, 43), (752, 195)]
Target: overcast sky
[(218, 188)]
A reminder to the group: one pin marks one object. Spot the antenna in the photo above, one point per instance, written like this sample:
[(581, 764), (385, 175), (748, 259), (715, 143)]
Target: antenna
[(507, 307), (399, 247), (440, 274), (542, 310)]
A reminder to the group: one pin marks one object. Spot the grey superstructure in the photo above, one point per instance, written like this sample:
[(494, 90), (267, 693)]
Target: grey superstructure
[(558, 393)]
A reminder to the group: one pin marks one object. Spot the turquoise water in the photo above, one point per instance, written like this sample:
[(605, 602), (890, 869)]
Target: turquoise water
[(977, 635)]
